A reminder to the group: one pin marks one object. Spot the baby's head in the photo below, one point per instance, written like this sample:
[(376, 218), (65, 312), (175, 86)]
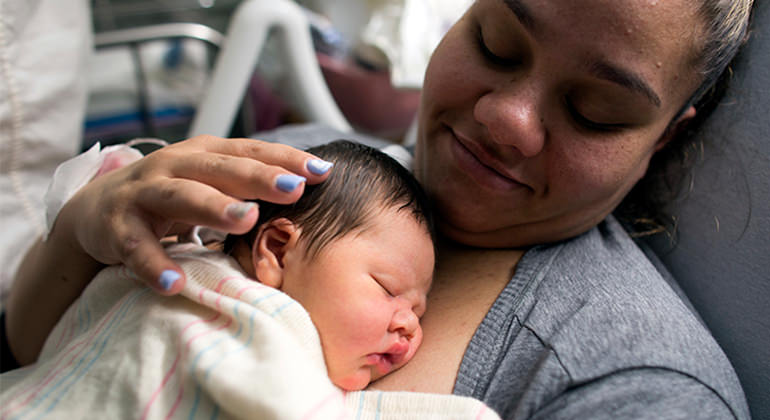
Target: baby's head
[(357, 252)]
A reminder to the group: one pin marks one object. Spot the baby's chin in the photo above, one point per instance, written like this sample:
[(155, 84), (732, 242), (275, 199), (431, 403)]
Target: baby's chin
[(361, 377), (355, 381)]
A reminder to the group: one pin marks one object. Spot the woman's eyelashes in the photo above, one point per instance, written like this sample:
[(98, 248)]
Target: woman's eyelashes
[(491, 56), (587, 123), (507, 61)]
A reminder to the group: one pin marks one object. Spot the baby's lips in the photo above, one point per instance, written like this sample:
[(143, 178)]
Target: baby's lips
[(381, 362), (397, 351), (394, 356)]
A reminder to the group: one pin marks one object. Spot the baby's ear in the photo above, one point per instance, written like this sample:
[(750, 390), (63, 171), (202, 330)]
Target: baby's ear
[(274, 239)]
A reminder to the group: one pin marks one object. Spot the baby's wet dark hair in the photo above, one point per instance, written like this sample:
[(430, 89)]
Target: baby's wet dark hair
[(362, 182)]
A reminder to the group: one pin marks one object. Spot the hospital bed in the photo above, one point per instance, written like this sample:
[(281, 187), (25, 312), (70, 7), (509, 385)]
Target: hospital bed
[(146, 81), (721, 257), (247, 33)]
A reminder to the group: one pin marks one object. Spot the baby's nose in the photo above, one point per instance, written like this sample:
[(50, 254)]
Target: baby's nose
[(404, 322)]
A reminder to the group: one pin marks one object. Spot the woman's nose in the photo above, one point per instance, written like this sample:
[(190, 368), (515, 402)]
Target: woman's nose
[(512, 117), (404, 322)]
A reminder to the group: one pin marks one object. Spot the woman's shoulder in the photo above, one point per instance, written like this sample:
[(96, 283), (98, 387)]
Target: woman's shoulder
[(596, 307), (604, 286), (601, 271), (606, 263)]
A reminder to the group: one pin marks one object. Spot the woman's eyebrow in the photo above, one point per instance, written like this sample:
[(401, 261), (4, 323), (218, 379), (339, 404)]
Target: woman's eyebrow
[(522, 13), (625, 78), (602, 70)]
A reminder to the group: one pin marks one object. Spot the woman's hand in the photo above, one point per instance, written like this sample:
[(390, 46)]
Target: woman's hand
[(119, 217)]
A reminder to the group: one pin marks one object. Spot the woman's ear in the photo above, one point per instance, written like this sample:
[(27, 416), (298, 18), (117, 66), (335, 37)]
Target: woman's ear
[(675, 127), (274, 239)]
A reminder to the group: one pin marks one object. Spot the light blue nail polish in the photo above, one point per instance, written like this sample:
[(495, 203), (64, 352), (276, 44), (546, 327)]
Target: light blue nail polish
[(168, 278), (318, 166), (288, 182), (238, 211)]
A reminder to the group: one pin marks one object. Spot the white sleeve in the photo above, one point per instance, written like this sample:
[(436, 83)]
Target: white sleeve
[(44, 47)]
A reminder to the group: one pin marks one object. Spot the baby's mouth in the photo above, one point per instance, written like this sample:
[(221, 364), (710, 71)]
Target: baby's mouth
[(382, 362), (393, 356)]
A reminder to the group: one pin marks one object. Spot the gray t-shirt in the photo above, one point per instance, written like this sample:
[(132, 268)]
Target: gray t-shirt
[(586, 329), (589, 329)]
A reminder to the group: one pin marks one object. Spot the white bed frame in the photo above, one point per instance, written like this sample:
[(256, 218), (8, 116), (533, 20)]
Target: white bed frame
[(252, 21)]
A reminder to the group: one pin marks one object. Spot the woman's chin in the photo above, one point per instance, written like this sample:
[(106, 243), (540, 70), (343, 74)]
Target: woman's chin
[(468, 234)]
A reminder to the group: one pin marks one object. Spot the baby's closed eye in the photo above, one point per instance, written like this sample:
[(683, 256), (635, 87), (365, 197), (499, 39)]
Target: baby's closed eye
[(384, 286)]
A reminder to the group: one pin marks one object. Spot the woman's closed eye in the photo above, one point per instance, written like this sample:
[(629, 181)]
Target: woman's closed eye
[(588, 123), (489, 55)]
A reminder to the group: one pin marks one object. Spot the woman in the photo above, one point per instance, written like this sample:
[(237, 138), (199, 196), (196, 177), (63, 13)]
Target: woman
[(537, 120)]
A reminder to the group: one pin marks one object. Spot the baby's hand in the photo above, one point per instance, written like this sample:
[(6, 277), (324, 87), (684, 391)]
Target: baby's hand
[(120, 216)]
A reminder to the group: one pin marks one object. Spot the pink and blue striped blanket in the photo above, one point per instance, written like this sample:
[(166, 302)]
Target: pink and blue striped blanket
[(226, 347)]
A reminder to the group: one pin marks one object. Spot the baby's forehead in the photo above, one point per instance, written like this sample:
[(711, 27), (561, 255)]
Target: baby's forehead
[(409, 223), (406, 211)]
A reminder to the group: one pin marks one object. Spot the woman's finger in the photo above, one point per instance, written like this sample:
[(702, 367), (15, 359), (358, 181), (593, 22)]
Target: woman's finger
[(239, 177), (193, 203), (142, 253), (293, 160)]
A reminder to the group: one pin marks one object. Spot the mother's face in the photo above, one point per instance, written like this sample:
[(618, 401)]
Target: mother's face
[(539, 116)]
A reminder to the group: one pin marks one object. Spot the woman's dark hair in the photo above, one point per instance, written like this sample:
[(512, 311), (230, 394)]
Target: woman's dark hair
[(362, 182), (643, 211)]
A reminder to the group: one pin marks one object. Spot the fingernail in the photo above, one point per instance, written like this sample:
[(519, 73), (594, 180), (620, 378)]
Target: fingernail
[(288, 182), (168, 278), (239, 210), (318, 166)]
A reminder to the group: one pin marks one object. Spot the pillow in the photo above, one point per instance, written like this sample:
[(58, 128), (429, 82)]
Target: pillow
[(722, 257)]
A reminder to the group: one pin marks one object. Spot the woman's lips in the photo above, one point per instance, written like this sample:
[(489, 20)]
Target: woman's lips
[(484, 174)]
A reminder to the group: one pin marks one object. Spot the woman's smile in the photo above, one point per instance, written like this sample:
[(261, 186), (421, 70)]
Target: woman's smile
[(486, 170)]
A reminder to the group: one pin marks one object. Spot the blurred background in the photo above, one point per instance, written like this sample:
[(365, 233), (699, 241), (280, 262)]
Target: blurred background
[(153, 58)]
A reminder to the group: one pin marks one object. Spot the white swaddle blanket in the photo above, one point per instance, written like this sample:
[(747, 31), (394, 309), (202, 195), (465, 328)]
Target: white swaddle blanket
[(227, 347)]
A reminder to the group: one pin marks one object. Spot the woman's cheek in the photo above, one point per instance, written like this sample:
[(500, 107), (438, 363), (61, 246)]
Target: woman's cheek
[(586, 172), (451, 67)]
